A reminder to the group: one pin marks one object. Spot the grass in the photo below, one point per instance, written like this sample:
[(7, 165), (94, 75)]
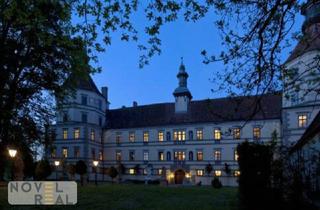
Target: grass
[(141, 197)]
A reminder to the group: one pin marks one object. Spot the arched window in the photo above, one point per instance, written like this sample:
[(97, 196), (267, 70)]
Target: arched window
[(168, 156), (190, 155), (168, 136), (190, 135)]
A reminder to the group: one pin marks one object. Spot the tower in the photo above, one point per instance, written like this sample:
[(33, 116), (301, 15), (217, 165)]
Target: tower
[(181, 93), (300, 100)]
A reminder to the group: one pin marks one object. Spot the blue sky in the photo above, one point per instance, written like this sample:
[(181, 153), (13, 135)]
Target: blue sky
[(156, 82)]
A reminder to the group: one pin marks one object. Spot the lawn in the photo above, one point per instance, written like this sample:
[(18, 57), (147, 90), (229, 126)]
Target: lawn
[(141, 197)]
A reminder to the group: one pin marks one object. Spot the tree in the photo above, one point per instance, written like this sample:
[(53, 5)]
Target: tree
[(227, 169), (137, 169), (209, 168), (72, 170), (43, 170), (112, 172), (81, 169)]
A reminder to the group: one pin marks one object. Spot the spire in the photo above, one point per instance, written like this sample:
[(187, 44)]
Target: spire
[(182, 89)]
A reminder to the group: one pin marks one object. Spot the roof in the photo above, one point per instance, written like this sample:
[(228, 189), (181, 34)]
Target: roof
[(86, 83), (311, 131), (210, 110)]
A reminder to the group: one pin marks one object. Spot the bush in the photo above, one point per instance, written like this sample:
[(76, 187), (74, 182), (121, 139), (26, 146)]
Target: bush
[(112, 172), (81, 169), (43, 170), (216, 183)]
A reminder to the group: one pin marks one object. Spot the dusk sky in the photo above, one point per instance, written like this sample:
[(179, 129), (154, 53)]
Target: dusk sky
[(155, 82)]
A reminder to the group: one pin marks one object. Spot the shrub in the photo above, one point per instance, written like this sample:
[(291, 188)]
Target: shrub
[(216, 183), (112, 172), (81, 169), (43, 170)]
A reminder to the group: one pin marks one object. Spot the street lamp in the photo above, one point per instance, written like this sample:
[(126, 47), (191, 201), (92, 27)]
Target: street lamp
[(12, 154), (95, 163), (57, 163)]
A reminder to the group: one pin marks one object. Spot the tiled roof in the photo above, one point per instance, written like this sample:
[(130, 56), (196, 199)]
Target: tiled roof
[(311, 131), (87, 83), (210, 110)]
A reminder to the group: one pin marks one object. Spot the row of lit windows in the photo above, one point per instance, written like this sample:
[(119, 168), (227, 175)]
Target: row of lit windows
[(76, 153), (76, 134), (180, 135), (178, 155), (200, 172)]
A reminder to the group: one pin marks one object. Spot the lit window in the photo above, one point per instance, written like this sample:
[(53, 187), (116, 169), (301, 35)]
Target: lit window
[(199, 134), (199, 172), (145, 136), (65, 133), (160, 171), (236, 156), (179, 155), (76, 152), (236, 173), (160, 136), (302, 120), (64, 152), (256, 133), (199, 155), (236, 133), (217, 134), (161, 156), (118, 156), (131, 155), (145, 155), (76, 133), (132, 136), (100, 156), (132, 171), (53, 153), (118, 138), (217, 154), (179, 135), (92, 135), (217, 172)]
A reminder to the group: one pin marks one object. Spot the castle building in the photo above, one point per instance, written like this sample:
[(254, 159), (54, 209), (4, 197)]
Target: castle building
[(181, 141)]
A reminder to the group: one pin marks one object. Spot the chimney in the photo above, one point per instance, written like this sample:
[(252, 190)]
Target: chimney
[(104, 91), (135, 104)]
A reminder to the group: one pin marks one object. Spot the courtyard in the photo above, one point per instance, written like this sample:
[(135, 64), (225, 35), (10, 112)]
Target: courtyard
[(115, 196)]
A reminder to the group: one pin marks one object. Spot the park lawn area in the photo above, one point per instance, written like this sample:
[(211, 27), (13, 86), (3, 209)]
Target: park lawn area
[(108, 196)]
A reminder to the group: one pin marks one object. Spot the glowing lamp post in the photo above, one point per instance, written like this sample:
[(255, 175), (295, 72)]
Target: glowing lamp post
[(57, 163), (12, 154), (95, 163)]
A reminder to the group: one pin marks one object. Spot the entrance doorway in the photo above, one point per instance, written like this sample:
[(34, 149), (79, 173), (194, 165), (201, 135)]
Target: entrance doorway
[(179, 176)]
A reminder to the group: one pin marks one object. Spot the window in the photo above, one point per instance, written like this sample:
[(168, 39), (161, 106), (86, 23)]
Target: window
[(236, 133), (118, 138), (65, 133), (100, 155), (302, 120), (168, 136), (236, 156), (160, 171), (65, 117), (76, 152), (100, 121), (190, 135), (217, 172), (76, 133), (179, 135), (131, 155), (191, 155), (256, 133), (161, 156), (84, 117), (93, 153), (199, 172), (132, 171), (217, 154), (145, 136), (168, 156), (84, 100), (118, 155), (199, 134), (100, 104), (145, 155), (92, 135), (160, 136), (132, 136), (53, 153), (64, 152), (217, 134), (179, 155), (199, 155), (236, 173)]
